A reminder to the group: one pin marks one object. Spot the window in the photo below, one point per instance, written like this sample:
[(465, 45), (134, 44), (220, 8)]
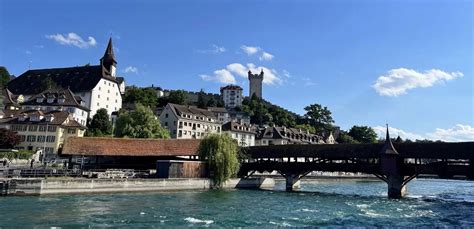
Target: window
[(98, 105), (98, 96), (41, 138), (166, 115), (51, 138), (99, 87), (166, 123), (16, 127), (42, 128), (31, 138), (32, 128), (51, 128), (22, 138), (71, 131)]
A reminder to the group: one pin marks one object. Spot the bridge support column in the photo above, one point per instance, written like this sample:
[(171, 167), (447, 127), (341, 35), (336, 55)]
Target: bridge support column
[(396, 187), (292, 182)]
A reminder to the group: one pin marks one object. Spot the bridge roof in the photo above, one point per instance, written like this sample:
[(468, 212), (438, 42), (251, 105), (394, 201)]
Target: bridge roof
[(76, 146), (461, 150)]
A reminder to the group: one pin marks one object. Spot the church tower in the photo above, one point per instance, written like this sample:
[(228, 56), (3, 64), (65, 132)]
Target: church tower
[(108, 61), (255, 84)]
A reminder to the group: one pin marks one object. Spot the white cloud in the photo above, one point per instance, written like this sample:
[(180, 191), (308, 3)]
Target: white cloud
[(238, 69), (131, 69), (250, 50), (458, 133), (394, 132), (266, 56), (308, 82), (226, 75), (39, 46), (286, 73), (28, 52), (220, 76), (215, 49), (73, 39), (399, 81)]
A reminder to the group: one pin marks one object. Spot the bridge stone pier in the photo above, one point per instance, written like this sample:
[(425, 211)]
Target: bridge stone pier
[(391, 173), (394, 163), (293, 181)]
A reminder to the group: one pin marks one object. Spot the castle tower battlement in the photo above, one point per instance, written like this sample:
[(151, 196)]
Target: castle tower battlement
[(255, 86)]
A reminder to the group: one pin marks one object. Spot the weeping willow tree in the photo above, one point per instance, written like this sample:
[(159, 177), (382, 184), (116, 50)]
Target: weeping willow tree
[(222, 155)]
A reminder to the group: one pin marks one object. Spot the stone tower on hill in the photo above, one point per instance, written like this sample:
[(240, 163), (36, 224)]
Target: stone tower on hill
[(255, 84)]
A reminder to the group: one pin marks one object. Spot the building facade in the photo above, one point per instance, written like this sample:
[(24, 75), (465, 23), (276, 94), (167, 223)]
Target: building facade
[(244, 134), (58, 100), (97, 85), (188, 122), (232, 96), (255, 87), (285, 136), (45, 131)]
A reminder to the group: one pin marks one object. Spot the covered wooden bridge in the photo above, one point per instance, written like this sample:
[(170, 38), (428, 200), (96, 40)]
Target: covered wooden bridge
[(127, 152), (395, 164)]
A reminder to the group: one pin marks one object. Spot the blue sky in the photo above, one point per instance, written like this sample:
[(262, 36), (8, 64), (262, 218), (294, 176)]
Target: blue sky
[(406, 63)]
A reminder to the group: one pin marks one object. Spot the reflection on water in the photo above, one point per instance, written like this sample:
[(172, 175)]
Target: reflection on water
[(320, 203)]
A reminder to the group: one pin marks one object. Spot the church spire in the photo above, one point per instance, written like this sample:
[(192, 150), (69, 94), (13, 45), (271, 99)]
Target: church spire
[(108, 60), (388, 146)]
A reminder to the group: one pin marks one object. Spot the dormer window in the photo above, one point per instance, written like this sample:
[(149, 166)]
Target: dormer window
[(50, 100), (39, 99), (34, 118), (23, 117), (61, 99), (49, 118)]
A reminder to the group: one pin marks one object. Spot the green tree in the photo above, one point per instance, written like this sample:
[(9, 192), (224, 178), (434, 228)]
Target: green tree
[(178, 97), (363, 134), (306, 127), (100, 124), (140, 123), (4, 77), (8, 139), (222, 155), (201, 103), (145, 96), (344, 137), (320, 117), (211, 102)]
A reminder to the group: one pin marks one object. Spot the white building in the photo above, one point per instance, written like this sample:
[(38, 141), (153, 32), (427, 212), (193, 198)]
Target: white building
[(285, 136), (244, 134), (188, 122), (97, 85), (232, 96)]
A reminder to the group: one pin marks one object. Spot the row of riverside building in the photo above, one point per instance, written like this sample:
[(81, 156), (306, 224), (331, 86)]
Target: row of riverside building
[(45, 106)]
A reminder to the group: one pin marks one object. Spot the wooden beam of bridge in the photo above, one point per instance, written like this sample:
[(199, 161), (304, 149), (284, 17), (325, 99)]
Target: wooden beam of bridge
[(461, 150)]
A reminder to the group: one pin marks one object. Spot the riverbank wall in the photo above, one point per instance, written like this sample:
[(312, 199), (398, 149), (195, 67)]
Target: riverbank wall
[(80, 185)]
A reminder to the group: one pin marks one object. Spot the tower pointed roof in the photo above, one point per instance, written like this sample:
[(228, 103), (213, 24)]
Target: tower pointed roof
[(109, 53), (388, 147)]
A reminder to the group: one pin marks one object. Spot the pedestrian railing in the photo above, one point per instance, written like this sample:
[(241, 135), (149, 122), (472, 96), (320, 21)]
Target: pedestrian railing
[(42, 173)]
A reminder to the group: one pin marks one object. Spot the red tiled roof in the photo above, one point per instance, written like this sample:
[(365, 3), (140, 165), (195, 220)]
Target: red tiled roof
[(129, 147)]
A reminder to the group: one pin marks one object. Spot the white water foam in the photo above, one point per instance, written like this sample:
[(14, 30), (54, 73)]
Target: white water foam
[(307, 210), (194, 220)]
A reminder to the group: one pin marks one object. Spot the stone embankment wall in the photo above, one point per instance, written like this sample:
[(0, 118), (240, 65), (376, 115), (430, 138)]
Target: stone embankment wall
[(79, 185)]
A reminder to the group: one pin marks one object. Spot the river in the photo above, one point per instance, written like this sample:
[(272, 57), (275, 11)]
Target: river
[(430, 203)]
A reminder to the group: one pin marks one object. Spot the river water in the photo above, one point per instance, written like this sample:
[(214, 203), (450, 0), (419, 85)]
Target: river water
[(430, 203)]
